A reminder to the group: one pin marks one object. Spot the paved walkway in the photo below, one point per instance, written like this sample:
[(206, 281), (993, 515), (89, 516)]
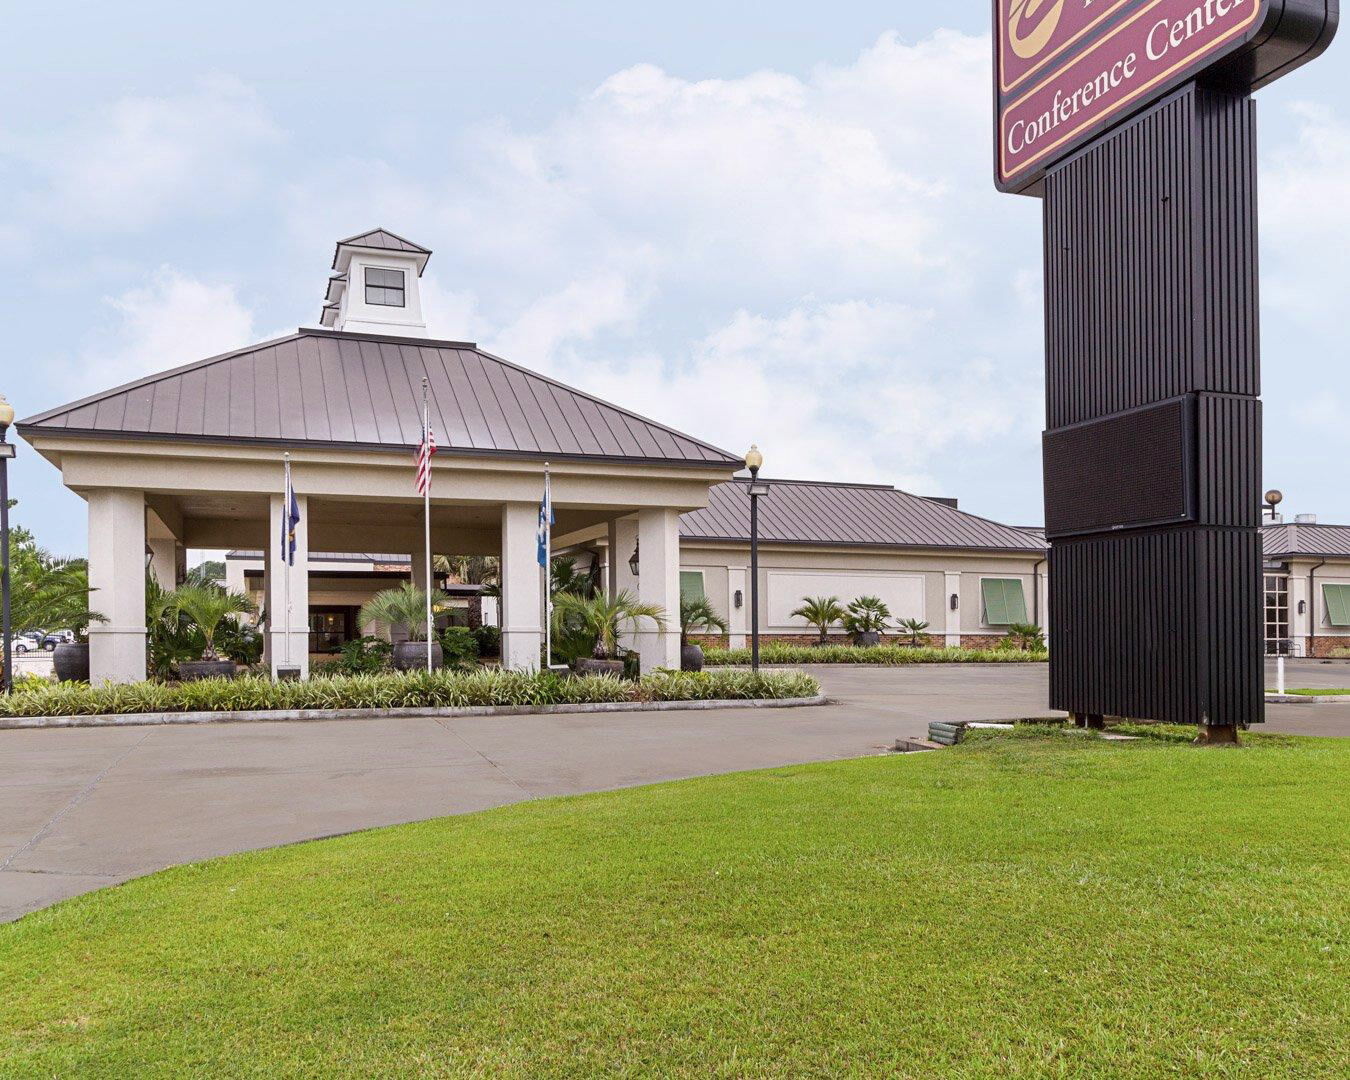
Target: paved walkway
[(82, 808)]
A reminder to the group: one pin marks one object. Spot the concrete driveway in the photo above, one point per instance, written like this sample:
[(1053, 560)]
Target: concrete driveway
[(82, 808)]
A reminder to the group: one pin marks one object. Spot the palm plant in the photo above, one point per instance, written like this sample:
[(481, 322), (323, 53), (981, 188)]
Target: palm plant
[(48, 593), (206, 607), (404, 605), (914, 629), (1027, 637), (601, 620), (170, 637), (697, 615), (565, 578), (821, 612), (866, 615)]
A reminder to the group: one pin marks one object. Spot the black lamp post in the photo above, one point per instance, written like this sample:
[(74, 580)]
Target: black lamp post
[(754, 461), (6, 452), (1273, 499)]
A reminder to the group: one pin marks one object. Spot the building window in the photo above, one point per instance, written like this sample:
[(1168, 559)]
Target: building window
[(1337, 602), (1277, 615), (1004, 602), (384, 288), (691, 585)]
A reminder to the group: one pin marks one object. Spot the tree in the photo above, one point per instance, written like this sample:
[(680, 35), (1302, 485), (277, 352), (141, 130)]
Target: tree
[(208, 571), (599, 621), (404, 605), (914, 629), (472, 570), (821, 612), (46, 592), (206, 607), (696, 615)]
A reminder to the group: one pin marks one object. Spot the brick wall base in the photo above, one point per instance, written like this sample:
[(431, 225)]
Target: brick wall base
[(1324, 646)]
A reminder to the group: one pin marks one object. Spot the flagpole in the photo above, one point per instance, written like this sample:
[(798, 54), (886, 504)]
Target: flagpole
[(426, 512), (286, 551), (548, 571)]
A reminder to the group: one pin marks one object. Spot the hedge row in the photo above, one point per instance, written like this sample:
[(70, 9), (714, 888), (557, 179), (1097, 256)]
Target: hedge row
[(421, 690), (880, 654)]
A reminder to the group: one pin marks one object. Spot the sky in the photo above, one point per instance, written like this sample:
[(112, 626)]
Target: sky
[(756, 223)]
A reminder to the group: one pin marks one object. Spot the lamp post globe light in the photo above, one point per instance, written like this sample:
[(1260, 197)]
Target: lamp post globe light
[(6, 452), (754, 461), (1273, 499)]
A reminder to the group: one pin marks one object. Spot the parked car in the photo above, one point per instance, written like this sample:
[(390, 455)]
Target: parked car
[(23, 644)]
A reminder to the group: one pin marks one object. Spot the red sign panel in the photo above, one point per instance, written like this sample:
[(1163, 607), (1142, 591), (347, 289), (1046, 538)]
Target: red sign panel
[(1036, 33), (1125, 64)]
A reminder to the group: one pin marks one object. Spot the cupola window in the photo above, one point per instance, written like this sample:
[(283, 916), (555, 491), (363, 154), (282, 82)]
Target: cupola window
[(384, 288)]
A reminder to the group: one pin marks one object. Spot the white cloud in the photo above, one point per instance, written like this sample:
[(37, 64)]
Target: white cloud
[(170, 320), (141, 159)]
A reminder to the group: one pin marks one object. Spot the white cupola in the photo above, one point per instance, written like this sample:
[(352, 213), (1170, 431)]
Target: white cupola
[(374, 288)]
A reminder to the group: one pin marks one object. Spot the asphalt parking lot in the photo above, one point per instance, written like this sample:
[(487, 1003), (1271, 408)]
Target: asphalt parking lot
[(83, 808)]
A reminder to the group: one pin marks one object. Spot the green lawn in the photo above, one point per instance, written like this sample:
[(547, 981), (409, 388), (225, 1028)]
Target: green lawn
[(1316, 691), (1016, 907)]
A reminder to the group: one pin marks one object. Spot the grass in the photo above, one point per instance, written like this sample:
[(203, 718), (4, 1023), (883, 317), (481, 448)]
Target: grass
[(1338, 691), (1034, 906), (445, 689), (884, 655)]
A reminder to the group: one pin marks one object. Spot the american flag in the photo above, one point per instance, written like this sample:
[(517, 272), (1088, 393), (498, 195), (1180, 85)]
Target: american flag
[(424, 452)]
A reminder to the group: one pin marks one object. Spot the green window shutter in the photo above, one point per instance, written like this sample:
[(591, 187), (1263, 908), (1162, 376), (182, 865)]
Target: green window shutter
[(1337, 600), (1004, 603), (691, 585)]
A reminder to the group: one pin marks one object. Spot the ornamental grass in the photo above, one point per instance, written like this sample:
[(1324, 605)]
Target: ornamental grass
[(883, 655), (415, 690)]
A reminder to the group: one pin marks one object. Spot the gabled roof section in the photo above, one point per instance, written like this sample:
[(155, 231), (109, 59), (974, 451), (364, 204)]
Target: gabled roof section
[(1286, 539), (380, 239), (848, 515), (364, 392)]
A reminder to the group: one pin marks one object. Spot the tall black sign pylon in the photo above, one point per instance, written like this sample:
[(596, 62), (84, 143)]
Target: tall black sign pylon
[(1133, 120)]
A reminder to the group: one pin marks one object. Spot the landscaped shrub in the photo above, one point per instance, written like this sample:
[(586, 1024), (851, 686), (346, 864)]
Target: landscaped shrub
[(442, 689), (489, 640), (360, 656), (460, 646), (881, 654)]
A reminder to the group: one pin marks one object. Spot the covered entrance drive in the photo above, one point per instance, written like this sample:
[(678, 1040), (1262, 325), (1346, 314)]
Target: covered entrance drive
[(193, 458)]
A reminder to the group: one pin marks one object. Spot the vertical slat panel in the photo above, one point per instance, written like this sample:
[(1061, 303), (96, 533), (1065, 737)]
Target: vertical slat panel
[(1151, 292)]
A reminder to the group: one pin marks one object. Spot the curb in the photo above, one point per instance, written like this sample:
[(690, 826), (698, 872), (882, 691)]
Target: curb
[(1307, 699), (15, 723)]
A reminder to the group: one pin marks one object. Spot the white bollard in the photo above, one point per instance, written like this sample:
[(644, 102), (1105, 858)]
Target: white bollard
[(1279, 675)]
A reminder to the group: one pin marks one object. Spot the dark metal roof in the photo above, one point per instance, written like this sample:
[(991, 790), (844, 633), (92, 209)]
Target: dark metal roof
[(1280, 541), (381, 240), (807, 512), (364, 391)]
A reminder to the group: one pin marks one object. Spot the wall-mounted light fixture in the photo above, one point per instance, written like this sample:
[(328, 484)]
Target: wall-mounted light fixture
[(633, 559), (739, 599), (1303, 607), (956, 601)]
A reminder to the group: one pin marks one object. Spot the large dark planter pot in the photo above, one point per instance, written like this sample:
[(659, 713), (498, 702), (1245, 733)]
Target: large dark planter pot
[(588, 666), (72, 662), (412, 656), (869, 639), (691, 658), (196, 670)]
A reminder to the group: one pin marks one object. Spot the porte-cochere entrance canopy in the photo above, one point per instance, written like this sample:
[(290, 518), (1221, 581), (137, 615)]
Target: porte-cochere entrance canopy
[(193, 457)]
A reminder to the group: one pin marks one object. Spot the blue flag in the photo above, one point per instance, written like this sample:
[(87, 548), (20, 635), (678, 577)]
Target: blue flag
[(545, 521), (290, 518)]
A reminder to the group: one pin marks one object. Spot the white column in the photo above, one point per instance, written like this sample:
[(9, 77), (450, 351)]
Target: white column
[(164, 562), (623, 538), (1298, 624), (659, 585), (1045, 600), (952, 587), (738, 581), (277, 574), (117, 586), (522, 588)]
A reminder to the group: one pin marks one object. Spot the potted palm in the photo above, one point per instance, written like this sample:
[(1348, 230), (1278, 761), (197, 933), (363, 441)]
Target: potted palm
[(406, 605), (206, 607), (914, 629), (822, 612), (53, 594), (696, 616), (600, 621), (865, 619)]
